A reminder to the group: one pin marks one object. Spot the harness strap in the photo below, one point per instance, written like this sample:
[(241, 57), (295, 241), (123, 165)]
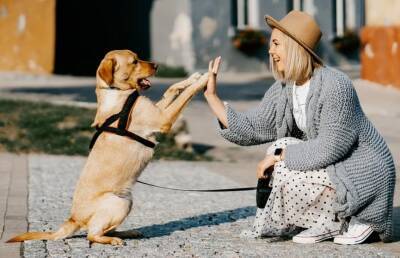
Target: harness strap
[(121, 130), (126, 110)]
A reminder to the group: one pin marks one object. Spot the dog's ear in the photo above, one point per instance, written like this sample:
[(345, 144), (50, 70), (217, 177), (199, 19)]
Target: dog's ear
[(106, 70)]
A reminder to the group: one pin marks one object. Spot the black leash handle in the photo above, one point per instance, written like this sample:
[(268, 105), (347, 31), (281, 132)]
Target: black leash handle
[(200, 190)]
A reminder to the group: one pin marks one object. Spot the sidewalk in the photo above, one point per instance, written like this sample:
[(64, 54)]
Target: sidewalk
[(175, 224), (13, 201)]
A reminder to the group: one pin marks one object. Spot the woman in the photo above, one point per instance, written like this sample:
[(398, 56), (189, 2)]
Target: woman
[(340, 171)]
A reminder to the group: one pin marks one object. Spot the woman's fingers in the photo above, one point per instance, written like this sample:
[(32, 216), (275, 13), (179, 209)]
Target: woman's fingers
[(216, 65), (260, 174), (213, 67), (260, 170), (265, 166)]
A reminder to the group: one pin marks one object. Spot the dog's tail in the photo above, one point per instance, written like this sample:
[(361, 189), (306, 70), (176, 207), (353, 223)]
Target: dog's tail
[(66, 229)]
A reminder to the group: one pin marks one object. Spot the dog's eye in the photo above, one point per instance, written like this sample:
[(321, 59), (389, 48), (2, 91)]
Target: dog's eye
[(134, 61)]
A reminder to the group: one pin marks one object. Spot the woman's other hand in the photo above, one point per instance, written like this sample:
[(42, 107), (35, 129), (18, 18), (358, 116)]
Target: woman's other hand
[(265, 166), (213, 68)]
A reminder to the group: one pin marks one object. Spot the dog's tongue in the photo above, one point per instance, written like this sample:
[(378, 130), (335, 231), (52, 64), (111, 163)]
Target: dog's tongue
[(144, 83)]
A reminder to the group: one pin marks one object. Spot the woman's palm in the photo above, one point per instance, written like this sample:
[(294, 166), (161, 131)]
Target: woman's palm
[(213, 68)]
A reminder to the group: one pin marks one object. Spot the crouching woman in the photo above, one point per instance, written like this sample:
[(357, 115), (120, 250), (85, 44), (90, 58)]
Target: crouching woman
[(334, 177)]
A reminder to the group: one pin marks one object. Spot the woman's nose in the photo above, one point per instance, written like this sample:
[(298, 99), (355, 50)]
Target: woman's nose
[(270, 51)]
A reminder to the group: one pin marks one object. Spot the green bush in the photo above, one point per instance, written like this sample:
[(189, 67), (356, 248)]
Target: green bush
[(171, 71)]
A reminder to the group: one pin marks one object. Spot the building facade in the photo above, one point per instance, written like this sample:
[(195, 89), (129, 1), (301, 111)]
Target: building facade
[(189, 33), (27, 29), (71, 37)]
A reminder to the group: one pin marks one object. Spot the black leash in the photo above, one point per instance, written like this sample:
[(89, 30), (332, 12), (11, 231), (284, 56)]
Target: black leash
[(121, 130), (200, 190)]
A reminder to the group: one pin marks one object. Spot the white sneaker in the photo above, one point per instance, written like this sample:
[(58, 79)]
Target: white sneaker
[(314, 235), (356, 233)]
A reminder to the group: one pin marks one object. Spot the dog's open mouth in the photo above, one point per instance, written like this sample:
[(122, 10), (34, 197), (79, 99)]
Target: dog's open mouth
[(144, 83)]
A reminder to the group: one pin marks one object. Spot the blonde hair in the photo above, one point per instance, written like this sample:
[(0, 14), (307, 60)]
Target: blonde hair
[(299, 65)]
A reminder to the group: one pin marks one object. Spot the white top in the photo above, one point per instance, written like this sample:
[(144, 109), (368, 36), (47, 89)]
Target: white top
[(299, 104)]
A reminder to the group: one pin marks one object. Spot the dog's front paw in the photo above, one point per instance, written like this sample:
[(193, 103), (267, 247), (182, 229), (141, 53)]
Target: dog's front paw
[(201, 82), (194, 77)]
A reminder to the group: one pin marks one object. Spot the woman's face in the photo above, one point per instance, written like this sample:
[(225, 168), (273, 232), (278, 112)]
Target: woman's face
[(277, 50)]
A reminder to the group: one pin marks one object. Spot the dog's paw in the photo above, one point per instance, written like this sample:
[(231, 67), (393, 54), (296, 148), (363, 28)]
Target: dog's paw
[(194, 77), (116, 241), (202, 81)]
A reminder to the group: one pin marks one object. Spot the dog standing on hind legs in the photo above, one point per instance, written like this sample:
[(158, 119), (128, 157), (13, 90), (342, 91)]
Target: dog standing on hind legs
[(102, 198)]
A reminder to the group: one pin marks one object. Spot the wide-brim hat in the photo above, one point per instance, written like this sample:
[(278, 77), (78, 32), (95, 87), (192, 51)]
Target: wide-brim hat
[(301, 27)]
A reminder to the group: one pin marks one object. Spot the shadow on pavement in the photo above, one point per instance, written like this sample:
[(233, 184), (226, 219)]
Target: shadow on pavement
[(209, 219), (217, 218)]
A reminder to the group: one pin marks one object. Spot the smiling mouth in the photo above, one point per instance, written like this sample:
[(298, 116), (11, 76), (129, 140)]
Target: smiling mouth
[(144, 83)]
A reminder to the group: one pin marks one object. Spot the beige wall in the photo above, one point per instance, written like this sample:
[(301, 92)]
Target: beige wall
[(27, 29), (382, 12)]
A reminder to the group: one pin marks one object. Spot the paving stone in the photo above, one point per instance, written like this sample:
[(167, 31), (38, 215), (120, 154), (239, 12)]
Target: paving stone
[(174, 224)]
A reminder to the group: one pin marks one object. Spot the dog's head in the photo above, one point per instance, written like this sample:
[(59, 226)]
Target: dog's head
[(123, 70)]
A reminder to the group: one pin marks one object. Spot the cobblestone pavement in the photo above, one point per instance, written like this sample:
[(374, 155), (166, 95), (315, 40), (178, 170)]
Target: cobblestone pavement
[(175, 224)]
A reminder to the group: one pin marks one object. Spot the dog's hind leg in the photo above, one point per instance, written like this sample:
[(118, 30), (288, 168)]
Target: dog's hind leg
[(110, 213), (98, 227), (174, 90)]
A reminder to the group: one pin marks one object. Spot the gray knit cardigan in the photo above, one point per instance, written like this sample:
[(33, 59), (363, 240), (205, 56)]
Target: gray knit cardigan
[(339, 137)]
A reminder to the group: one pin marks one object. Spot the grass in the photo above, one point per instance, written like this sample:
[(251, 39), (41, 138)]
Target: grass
[(167, 71), (32, 127)]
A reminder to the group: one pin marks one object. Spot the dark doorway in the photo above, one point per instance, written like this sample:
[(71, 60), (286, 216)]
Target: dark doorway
[(87, 30)]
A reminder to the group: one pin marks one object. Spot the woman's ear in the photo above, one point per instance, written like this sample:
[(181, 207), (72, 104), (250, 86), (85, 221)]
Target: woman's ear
[(106, 70)]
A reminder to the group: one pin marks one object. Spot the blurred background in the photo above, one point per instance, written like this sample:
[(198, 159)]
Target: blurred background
[(71, 37), (49, 53)]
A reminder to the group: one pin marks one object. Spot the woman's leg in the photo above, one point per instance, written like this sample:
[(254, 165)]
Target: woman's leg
[(307, 198), (263, 224), (298, 199)]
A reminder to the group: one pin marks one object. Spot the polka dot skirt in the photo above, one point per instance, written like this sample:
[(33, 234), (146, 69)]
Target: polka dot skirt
[(298, 199)]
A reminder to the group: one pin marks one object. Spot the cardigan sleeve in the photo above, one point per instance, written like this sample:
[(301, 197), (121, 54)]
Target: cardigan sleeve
[(336, 135), (255, 126)]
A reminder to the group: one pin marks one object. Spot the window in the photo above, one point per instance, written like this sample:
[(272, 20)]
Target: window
[(345, 17), (302, 5), (245, 13)]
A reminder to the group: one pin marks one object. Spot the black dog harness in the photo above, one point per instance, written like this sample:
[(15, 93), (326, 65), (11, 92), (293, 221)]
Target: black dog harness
[(122, 124)]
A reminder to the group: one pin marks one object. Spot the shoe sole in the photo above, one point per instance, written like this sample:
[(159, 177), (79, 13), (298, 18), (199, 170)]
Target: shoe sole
[(309, 240), (348, 241)]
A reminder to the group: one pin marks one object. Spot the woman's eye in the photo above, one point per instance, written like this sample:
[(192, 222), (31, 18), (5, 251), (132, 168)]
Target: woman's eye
[(135, 61)]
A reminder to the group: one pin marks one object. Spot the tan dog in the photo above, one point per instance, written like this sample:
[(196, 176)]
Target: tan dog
[(102, 198)]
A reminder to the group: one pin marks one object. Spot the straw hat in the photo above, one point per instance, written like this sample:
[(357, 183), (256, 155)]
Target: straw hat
[(301, 27)]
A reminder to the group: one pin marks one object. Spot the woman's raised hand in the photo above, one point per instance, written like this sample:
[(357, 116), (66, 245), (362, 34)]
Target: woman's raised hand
[(210, 93), (213, 68)]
